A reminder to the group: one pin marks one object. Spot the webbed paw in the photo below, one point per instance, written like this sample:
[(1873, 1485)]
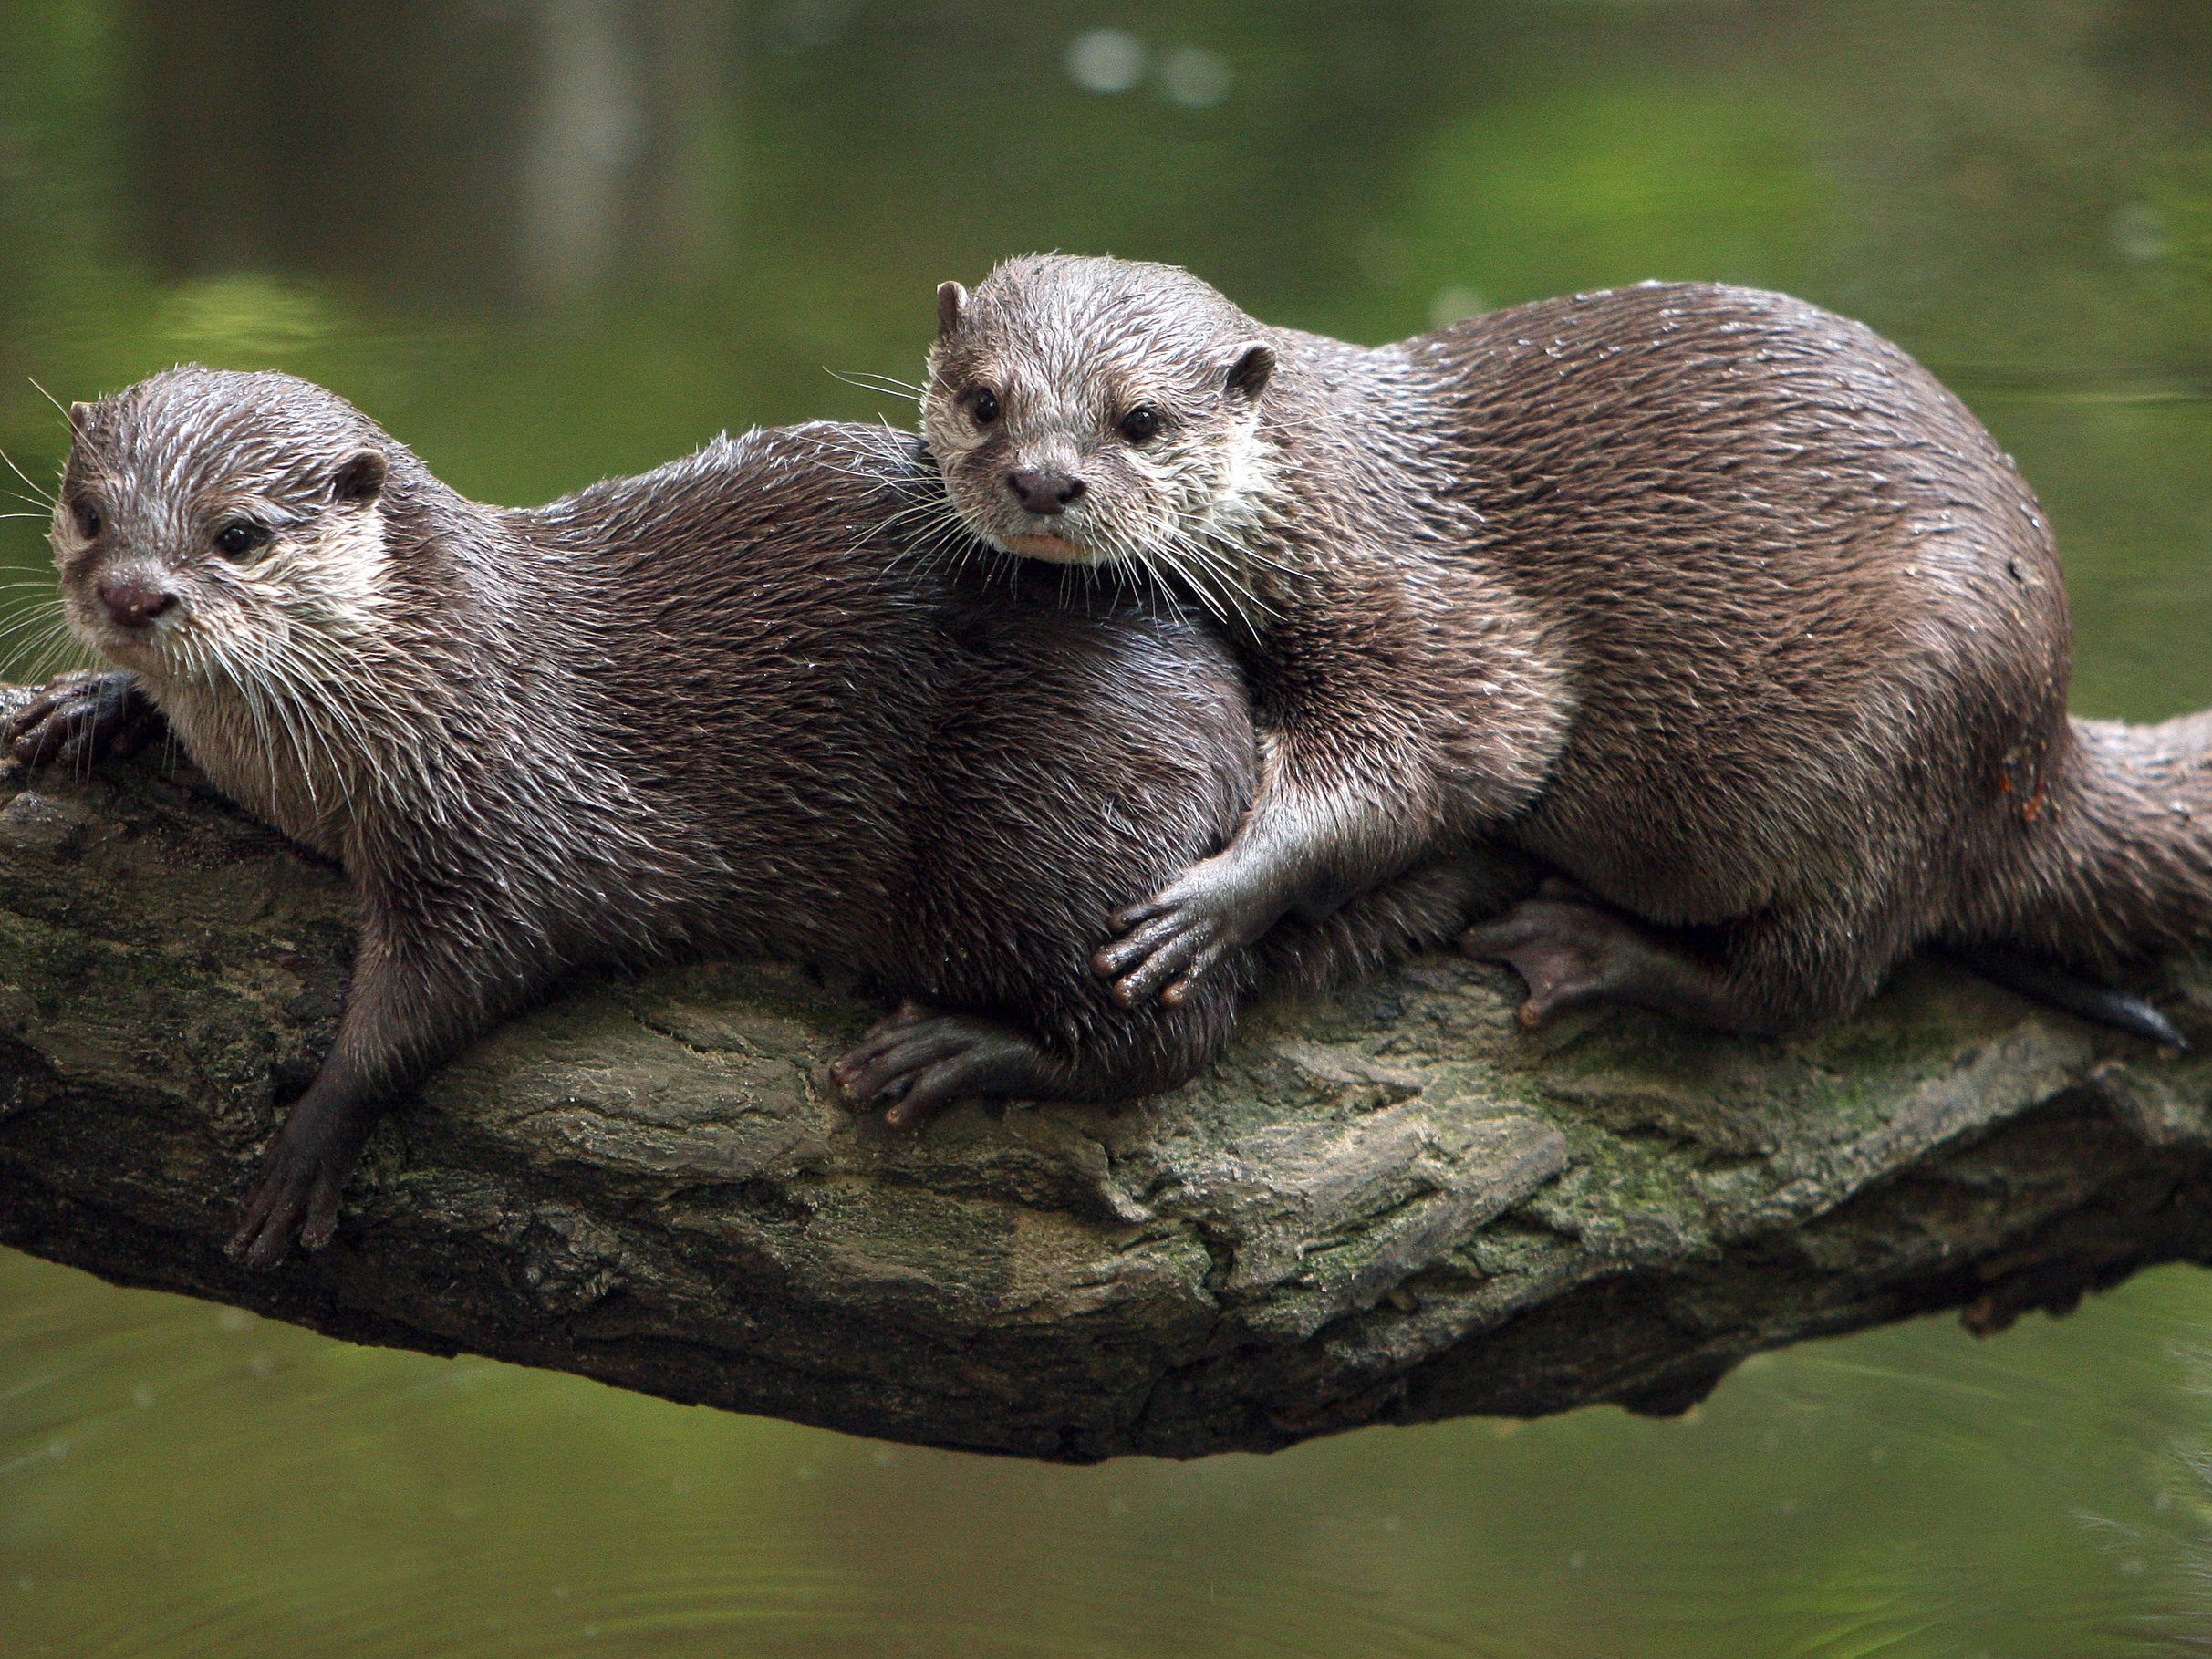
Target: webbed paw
[(1183, 933), (1566, 953), (917, 1060), (79, 718), (296, 1192)]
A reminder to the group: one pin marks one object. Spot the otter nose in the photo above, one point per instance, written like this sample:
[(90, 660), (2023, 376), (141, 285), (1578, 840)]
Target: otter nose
[(135, 601), (1045, 493)]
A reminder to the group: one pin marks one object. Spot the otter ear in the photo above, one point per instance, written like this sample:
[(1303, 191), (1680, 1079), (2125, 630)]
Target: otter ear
[(81, 417), (359, 477), (950, 297), (1248, 376)]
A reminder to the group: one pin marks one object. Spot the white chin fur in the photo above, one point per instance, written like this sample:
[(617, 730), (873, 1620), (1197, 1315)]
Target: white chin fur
[(125, 650)]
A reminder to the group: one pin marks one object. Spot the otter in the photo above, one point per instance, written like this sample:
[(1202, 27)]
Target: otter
[(1715, 602), (715, 708)]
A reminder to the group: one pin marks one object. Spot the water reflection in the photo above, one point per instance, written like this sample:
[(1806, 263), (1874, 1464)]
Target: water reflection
[(544, 241), (1911, 1488)]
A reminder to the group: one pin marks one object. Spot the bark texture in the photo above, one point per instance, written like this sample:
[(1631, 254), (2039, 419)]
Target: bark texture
[(1391, 1206)]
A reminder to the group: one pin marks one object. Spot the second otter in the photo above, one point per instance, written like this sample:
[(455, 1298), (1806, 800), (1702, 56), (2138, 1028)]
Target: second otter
[(1717, 602)]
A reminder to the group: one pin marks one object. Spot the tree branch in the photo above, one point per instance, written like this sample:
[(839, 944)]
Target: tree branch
[(1390, 1207)]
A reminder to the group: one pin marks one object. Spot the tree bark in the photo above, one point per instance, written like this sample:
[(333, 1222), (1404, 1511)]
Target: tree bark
[(1391, 1206)]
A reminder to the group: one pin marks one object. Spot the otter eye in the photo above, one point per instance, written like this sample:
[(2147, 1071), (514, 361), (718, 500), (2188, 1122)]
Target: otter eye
[(985, 406), (88, 520), (1140, 423), (239, 537)]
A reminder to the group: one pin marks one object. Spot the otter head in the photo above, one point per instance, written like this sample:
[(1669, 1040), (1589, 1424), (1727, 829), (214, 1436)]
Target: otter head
[(1093, 411), (216, 527)]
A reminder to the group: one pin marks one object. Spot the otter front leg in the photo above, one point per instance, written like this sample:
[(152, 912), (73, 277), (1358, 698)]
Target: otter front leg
[(1182, 932), (1384, 742), (1314, 837), (405, 1012), (304, 1170), (79, 718)]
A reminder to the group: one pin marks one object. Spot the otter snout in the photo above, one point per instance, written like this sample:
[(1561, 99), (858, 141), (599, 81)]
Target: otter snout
[(134, 600), (1048, 493)]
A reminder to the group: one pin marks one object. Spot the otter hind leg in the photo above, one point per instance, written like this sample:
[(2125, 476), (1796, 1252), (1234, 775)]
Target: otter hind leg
[(1424, 909), (917, 1060), (1768, 975)]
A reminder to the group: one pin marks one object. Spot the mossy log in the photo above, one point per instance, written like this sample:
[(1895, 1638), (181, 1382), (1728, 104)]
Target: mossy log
[(1394, 1206)]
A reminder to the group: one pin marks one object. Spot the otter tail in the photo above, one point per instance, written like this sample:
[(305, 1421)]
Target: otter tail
[(2111, 862), (2070, 993)]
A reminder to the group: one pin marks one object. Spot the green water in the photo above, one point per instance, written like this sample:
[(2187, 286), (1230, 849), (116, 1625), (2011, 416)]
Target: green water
[(547, 242)]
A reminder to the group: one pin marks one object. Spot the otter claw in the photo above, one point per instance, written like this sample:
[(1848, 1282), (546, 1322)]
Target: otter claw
[(1148, 943), (881, 1038), (288, 1204), (1188, 949)]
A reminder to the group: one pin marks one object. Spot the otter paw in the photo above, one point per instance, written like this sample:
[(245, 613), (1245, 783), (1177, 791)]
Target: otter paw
[(302, 1176), (917, 1061), (1567, 954), (78, 719), (1178, 937)]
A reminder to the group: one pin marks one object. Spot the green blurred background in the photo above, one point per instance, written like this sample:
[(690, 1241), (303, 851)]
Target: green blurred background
[(547, 242)]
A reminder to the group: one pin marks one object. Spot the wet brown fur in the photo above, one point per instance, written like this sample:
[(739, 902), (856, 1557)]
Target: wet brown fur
[(1715, 601), (717, 708)]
